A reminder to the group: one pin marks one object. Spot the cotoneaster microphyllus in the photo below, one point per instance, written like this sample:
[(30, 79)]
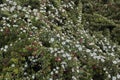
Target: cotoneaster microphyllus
[(40, 50)]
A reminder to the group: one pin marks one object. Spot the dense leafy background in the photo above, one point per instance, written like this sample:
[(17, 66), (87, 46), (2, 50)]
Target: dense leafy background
[(59, 40)]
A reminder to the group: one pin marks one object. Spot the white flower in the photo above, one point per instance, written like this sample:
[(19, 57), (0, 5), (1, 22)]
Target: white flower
[(109, 46), (28, 78), (34, 27), (14, 3), (63, 43), (10, 2), (91, 44), (2, 9), (77, 45), (113, 78), (30, 10), (15, 25), (67, 54), (8, 25), (34, 60), (67, 40), (50, 79), (1, 5), (58, 35), (113, 49), (3, 18), (52, 40), (25, 73), (52, 73), (55, 49), (64, 55), (2, 49), (109, 76), (55, 54), (56, 71), (19, 7), (114, 62), (24, 31), (94, 54), (100, 50), (13, 65), (59, 52), (35, 10), (26, 15), (98, 57), (12, 9), (14, 20), (36, 18), (118, 76), (42, 11), (6, 46), (7, 0), (74, 78), (95, 50), (88, 50), (102, 60), (24, 9), (63, 66), (28, 20), (80, 48), (63, 10), (57, 67), (62, 51), (69, 58), (78, 71), (1, 30), (104, 68), (26, 65), (33, 76), (62, 38), (112, 54), (73, 70)]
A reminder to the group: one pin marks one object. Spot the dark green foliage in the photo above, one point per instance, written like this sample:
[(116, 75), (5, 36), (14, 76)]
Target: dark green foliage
[(105, 17)]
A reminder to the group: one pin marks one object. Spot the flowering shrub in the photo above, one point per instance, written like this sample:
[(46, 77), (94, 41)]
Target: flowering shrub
[(48, 41)]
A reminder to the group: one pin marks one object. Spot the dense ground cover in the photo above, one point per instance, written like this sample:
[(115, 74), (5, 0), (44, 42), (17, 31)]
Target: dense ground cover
[(59, 40)]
